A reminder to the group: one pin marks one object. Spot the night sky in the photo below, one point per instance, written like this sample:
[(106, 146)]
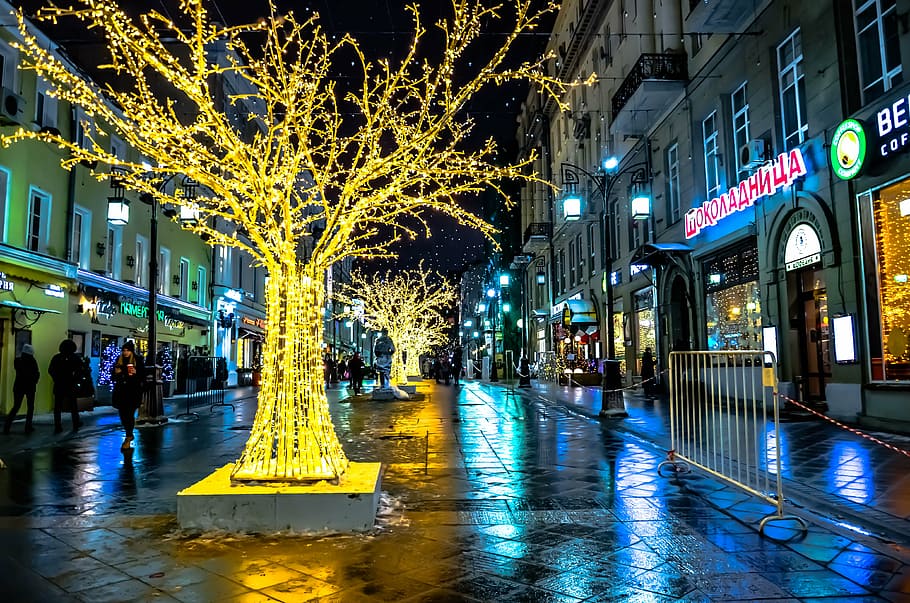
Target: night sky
[(383, 28)]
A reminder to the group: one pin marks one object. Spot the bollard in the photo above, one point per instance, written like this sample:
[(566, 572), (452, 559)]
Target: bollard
[(612, 403)]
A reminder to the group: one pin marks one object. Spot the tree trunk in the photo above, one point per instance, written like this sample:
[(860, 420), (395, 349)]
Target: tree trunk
[(412, 366), (293, 438)]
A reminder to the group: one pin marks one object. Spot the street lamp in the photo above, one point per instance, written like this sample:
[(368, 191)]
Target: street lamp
[(604, 182), (118, 213)]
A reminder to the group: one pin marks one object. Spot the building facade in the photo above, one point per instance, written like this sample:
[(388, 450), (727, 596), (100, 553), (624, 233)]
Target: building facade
[(722, 117)]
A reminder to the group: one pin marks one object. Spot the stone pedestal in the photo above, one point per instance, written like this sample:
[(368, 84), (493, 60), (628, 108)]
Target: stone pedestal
[(410, 389), (215, 504)]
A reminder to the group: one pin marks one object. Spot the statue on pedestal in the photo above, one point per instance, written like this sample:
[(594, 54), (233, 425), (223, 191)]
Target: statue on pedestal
[(383, 350)]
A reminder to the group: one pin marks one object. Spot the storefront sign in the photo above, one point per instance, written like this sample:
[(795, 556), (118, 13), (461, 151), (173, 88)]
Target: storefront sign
[(253, 322), (53, 291), (848, 149), (893, 127), (140, 310), (803, 247), (5, 285), (770, 178)]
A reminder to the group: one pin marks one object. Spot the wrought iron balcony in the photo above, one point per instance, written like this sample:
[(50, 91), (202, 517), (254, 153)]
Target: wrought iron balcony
[(647, 91)]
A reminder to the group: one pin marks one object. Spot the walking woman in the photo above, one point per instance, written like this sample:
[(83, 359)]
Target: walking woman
[(128, 377)]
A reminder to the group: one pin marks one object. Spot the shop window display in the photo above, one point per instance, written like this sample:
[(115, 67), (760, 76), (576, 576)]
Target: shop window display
[(889, 297), (733, 300), (734, 318)]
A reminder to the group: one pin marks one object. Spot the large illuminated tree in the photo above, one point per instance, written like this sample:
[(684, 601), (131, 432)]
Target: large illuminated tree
[(406, 303), (335, 162)]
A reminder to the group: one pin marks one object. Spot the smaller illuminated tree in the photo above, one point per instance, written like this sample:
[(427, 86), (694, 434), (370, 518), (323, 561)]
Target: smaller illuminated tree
[(406, 303)]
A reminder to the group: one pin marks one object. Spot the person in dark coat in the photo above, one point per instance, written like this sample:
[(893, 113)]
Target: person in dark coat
[(524, 372), (355, 370), (27, 375), (128, 375), (647, 372), (64, 370), (456, 364)]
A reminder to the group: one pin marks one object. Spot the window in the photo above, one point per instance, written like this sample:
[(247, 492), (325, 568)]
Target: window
[(712, 174), (224, 265), (580, 258), (878, 46), (885, 239), (673, 183), (615, 229), (572, 280), (164, 270), (4, 202), (696, 41), (118, 149), (84, 129), (733, 301), (184, 279), (561, 268), (202, 286), (592, 246), (114, 255), (9, 59), (45, 106), (142, 261), (740, 107), (39, 216), (794, 123), (82, 235)]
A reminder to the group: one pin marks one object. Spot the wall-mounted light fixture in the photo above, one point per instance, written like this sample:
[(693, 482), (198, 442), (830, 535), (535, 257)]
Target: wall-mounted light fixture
[(176, 279), (130, 261), (195, 285), (100, 248)]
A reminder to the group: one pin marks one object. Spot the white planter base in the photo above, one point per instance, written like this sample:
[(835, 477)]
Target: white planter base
[(215, 504)]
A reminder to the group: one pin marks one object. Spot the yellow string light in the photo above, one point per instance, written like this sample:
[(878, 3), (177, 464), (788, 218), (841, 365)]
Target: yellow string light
[(407, 304), (278, 163)]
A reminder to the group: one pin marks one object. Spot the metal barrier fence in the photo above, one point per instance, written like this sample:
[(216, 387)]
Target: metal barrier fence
[(724, 420), (205, 384)]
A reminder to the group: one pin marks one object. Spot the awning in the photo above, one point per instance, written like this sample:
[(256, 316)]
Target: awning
[(581, 312), (657, 254), (17, 306)]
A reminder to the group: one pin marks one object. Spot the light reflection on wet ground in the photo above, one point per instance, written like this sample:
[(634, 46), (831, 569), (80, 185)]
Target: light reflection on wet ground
[(487, 496)]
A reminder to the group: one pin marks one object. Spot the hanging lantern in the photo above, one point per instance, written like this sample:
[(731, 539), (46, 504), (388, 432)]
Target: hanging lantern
[(118, 211)]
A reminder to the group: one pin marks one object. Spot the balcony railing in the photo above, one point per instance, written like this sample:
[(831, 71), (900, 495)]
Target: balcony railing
[(538, 230), (668, 67)]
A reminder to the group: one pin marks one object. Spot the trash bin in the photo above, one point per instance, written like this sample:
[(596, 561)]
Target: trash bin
[(612, 403)]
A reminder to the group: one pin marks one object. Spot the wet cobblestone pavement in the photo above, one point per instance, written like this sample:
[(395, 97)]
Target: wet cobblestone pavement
[(487, 495)]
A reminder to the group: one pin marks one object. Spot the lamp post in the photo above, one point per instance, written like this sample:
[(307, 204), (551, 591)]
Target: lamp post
[(612, 402), (118, 213), (604, 182)]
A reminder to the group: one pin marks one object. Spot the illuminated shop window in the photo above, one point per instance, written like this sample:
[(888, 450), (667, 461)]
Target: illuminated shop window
[(886, 253), (733, 300)]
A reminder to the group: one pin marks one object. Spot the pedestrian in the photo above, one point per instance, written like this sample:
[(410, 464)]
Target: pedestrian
[(456, 364), (330, 370), (27, 375), (64, 370), (342, 369), (355, 369), (437, 369), (647, 372), (524, 372), (128, 375)]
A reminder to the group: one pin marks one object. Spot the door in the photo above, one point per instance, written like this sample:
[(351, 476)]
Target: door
[(815, 338)]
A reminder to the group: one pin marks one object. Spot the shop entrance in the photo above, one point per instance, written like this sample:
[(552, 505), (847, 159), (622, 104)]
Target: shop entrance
[(679, 316), (811, 313)]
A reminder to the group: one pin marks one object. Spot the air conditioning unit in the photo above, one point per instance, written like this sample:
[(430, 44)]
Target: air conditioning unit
[(11, 106), (753, 153)]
